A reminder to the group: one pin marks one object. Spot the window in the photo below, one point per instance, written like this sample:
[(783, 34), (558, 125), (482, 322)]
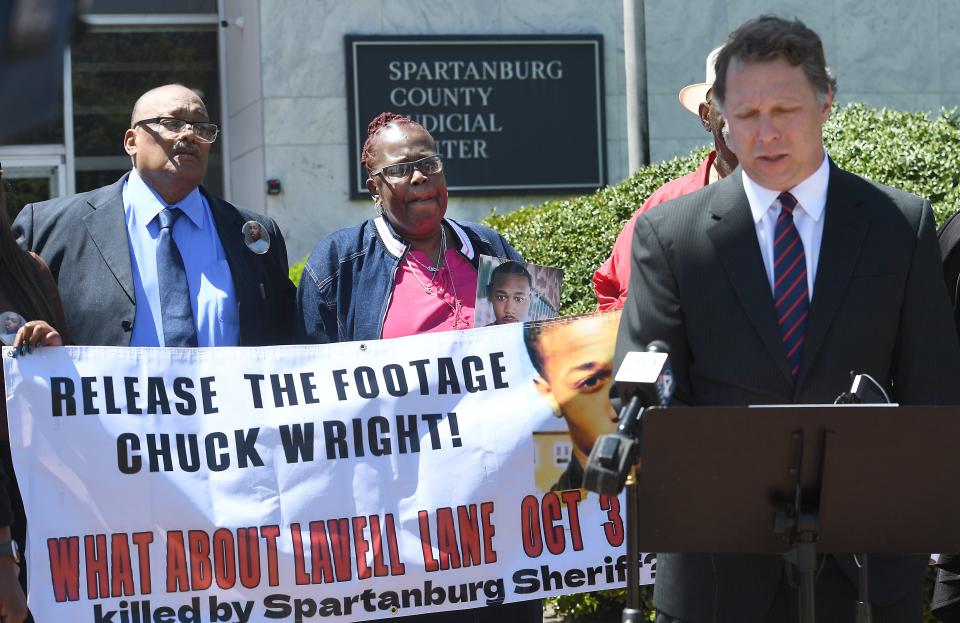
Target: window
[(113, 67), (109, 7)]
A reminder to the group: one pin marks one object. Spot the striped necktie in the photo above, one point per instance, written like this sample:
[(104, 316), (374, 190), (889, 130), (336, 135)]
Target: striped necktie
[(176, 313), (790, 292)]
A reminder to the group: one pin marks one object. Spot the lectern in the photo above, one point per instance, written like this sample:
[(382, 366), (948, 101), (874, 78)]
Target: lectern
[(799, 481)]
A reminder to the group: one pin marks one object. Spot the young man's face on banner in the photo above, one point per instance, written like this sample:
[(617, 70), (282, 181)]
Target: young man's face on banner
[(577, 374), (510, 297)]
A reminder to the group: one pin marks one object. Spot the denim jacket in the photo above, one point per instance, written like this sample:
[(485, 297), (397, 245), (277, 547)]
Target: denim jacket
[(347, 283)]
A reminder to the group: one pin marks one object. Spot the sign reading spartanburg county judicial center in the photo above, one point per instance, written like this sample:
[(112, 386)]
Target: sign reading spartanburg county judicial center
[(510, 113)]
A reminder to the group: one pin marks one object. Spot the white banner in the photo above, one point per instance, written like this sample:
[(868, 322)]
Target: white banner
[(354, 481)]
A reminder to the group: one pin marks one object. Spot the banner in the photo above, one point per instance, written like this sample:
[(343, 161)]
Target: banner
[(350, 481)]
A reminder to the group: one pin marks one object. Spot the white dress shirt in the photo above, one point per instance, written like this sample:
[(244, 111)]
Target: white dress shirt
[(811, 196)]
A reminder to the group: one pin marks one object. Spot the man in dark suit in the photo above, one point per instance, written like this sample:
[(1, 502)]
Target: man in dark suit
[(154, 259), (945, 603), (770, 286)]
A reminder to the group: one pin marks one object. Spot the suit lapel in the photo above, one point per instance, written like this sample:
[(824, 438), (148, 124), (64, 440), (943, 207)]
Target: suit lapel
[(734, 235), (844, 231), (107, 226), (229, 225)]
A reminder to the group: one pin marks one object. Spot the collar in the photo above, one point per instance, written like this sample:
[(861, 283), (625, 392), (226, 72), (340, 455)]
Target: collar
[(713, 175), (811, 193), (397, 246), (708, 170), (147, 204)]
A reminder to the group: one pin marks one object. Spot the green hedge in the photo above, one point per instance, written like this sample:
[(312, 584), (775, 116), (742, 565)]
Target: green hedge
[(297, 270), (906, 150)]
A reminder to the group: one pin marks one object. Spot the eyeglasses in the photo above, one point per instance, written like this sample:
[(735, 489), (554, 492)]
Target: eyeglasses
[(431, 165), (205, 131)]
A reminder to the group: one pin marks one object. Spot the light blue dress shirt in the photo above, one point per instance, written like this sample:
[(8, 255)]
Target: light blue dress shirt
[(212, 297)]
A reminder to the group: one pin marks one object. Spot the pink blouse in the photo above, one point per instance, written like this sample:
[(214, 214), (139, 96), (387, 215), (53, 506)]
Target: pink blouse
[(425, 302)]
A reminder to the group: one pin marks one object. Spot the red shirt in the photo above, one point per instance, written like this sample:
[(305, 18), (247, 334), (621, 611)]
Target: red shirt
[(611, 279)]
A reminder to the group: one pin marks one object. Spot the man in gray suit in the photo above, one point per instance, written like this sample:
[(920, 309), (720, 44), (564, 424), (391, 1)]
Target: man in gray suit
[(770, 286), (154, 259)]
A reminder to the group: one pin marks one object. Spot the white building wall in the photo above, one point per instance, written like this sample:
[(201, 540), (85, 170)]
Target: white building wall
[(245, 103), (884, 52)]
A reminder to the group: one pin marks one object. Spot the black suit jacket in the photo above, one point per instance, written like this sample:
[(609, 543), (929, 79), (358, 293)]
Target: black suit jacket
[(83, 238), (946, 596), (879, 306)]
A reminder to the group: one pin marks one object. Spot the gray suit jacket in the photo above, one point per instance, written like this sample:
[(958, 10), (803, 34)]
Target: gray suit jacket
[(83, 238), (879, 306)]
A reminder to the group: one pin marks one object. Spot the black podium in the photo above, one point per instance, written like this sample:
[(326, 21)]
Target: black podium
[(810, 480)]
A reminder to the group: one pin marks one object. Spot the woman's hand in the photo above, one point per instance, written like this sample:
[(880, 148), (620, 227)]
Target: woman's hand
[(35, 333)]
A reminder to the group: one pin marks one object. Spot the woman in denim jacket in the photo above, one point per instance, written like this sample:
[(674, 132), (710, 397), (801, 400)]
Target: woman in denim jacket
[(406, 271)]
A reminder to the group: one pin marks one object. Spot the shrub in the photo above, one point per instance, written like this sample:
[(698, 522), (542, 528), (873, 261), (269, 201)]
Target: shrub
[(908, 150), (296, 271), (598, 606)]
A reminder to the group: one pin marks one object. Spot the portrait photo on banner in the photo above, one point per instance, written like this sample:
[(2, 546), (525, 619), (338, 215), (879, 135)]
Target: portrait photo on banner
[(573, 362), (511, 291)]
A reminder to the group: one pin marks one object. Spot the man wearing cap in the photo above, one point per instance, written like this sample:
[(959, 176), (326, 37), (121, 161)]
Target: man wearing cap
[(611, 279), (155, 260)]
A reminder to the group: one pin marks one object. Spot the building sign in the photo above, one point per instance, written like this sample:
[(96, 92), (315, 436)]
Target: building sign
[(510, 113)]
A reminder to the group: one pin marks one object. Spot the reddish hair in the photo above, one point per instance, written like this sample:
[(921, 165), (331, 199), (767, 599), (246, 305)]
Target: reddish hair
[(373, 129)]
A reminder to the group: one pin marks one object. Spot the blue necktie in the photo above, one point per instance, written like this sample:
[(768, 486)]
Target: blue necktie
[(790, 282), (175, 312)]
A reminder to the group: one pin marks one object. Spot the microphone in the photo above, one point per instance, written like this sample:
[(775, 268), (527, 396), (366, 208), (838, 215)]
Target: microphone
[(864, 389), (647, 377), (643, 379)]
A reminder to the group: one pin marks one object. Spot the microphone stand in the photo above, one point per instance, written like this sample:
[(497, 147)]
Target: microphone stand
[(611, 467), (614, 458), (632, 613), (864, 611), (864, 389)]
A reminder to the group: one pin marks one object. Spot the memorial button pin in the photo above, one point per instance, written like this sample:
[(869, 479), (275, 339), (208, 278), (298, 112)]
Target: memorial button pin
[(256, 237)]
